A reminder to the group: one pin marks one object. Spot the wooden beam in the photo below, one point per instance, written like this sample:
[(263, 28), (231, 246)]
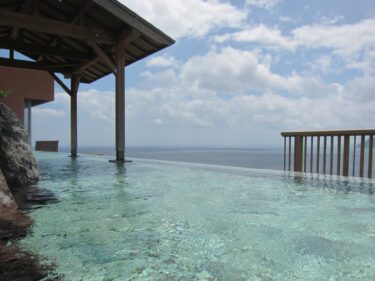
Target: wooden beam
[(103, 56), (55, 27), (82, 67), (85, 7), (44, 50), (34, 65), (34, 7), (61, 83), (126, 38), (329, 133)]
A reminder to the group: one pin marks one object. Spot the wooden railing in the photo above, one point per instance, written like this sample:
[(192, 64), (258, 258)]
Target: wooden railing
[(326, 153)]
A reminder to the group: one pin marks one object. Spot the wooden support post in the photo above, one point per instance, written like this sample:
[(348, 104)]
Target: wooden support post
[(298, 150), (345, 170), (73, 115), (120, 105)]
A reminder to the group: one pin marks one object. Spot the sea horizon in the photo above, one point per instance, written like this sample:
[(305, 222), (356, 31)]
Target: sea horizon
[(238, 156)]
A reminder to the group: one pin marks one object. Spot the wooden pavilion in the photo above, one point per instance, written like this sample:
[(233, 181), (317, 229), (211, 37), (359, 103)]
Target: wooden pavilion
[(84, 40)]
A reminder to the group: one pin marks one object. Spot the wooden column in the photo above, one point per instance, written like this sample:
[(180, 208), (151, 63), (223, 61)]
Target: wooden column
[(298, 150), (120, 105), (73, 115)]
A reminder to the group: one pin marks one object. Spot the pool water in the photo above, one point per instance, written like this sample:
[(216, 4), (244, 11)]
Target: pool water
[(152, 220)]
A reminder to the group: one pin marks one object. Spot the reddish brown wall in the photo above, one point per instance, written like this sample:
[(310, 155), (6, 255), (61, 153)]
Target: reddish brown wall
[(23, 84)]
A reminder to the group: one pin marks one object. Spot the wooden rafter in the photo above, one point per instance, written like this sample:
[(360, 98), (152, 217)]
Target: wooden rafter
[(45, 50), (103, 56), (35, 65), (55, 27), (85, 7)]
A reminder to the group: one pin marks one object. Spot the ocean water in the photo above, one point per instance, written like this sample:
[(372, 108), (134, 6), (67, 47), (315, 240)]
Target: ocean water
[(258, 158), (155, 220), (261, 158)]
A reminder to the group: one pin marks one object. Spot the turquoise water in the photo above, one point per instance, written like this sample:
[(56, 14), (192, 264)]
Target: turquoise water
[(165, 221)]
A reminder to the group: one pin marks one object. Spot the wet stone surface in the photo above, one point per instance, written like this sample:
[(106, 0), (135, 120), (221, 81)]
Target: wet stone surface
[(17, 264)]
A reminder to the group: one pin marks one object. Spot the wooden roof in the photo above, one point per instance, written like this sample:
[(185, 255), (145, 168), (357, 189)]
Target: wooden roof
[(76, 36)]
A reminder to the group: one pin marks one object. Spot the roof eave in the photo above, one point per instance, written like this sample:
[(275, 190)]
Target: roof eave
[(135, 21)]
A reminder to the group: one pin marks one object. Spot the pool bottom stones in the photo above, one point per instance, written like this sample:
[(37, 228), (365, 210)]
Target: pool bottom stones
[(17, 264)]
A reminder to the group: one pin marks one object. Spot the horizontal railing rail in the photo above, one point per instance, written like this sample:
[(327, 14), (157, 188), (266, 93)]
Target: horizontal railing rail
[(330, 152)]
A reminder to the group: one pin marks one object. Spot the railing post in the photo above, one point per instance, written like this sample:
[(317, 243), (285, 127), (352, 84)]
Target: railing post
[(362, 157), (370, 155), (318, 155), (325, 155), (331, 155), (312, 154), (298, 148), (345, 169), (290, 153), (284, 153), (354, 153), (305, 155), (342, 160), (338, 155)]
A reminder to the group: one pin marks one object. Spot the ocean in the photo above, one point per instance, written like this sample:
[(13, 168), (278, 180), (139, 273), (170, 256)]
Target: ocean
[(260, 158)]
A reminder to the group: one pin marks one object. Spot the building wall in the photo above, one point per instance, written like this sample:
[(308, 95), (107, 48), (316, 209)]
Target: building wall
[(25, 84)]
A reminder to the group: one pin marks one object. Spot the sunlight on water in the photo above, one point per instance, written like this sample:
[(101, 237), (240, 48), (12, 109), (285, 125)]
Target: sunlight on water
[(162, 221)]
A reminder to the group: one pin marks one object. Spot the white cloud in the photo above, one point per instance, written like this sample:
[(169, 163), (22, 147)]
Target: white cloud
[(188, 18), (47, 112), (265, 4), (347, 39), (331, 20), (343, 39), (323, 64), (353, 43), (232, 70), (267, 36), (162, 61)]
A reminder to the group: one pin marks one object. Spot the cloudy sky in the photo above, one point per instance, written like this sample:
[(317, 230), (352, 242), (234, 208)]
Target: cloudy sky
[(241, 72)]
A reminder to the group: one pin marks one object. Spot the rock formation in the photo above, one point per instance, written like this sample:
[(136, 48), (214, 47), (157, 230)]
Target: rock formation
[(17, 162), (6, 199)]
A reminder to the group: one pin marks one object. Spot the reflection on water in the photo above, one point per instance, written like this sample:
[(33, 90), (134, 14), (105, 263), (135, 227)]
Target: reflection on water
[(155, 221)]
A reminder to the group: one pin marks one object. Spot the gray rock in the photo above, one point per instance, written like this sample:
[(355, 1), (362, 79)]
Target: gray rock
[(6, 199), (17, 162)]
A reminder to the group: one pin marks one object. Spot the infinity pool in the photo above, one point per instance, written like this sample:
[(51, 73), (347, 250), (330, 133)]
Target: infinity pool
[(163, 221)]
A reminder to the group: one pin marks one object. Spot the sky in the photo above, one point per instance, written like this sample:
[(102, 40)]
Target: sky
[(240, 72)]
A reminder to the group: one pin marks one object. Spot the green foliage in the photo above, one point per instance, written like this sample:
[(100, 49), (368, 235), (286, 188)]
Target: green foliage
[(3, 93)]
